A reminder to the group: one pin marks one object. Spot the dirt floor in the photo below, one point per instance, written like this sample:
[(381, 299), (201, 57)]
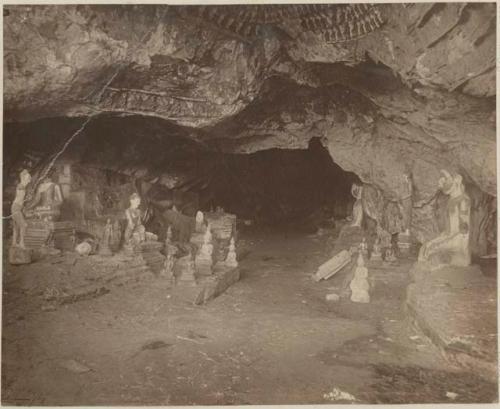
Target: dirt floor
[(272, 338)]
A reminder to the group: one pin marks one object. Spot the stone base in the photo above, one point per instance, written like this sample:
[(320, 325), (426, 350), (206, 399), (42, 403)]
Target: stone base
[(456, 307), (204, 266), (19, 255), (208, 288), (184, 271)]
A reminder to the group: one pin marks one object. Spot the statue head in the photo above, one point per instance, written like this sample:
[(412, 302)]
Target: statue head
[(135, 201), (445, 182), (450, 184), (199, 216), (25, 177)]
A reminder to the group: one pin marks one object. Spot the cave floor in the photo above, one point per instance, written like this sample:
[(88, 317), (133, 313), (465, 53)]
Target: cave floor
[(272, 338)]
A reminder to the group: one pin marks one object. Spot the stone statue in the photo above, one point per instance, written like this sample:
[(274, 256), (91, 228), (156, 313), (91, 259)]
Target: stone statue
[(359, 285), (376, 253), (231, 255), (168, 266), (394, 218), (363, 247), (454, 241), (18, 222), (357, 208), (207, 247), (384, 237), (204, 259), (390, 257), (168, 238), (47, 201), (107, 236), (199, 221), (135, 232), (406, 203)]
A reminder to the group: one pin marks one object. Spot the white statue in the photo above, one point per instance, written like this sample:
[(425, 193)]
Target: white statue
[(363, 247), (207, 247), (357, 208), (231, 255), (204, 260), (135, 230), (168, 266), (406, 203), (454, 241), (359, 285), (199, 221), (19, 223), (376, 251)]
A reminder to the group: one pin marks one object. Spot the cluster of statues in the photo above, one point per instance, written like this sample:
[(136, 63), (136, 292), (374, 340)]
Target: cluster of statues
[(44, 206), (451, 246)]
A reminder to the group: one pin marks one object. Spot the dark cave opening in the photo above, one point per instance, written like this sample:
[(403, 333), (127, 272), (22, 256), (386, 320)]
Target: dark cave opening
[(280, 186), (117, 155)]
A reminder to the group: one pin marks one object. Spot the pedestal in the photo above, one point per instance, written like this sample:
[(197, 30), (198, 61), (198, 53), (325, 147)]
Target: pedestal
[(184, 271), (19, 255)]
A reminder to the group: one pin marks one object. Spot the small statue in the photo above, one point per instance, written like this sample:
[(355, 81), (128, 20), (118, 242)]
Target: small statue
[(231, 260), (107, 237), (406, 203), (357, 208), (384, 237), (363, 247), (135, 232), (390, 256), (454, 241), (18, 221), (207, 247), (376, 254), (359, 285), (394, 218), (199, 221), (168, 238), (47, 202), (168, 265)]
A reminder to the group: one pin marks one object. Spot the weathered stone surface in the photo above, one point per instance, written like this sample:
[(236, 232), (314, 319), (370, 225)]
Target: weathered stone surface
[(445, 305)]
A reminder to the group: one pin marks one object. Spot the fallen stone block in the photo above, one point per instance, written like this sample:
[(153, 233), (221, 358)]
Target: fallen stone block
[(333, 266)]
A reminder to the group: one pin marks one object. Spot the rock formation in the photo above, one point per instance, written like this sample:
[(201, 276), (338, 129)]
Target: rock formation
[(388, 89)]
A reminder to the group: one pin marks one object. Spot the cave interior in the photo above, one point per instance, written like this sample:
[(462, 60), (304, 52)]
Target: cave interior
[(261, 119)]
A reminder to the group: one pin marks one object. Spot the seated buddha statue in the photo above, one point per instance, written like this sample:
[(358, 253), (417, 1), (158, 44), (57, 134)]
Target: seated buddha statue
[(453, 242), (135, 232), (47, 202)]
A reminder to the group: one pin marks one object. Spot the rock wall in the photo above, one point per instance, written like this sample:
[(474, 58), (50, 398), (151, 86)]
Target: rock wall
[(396, 88)]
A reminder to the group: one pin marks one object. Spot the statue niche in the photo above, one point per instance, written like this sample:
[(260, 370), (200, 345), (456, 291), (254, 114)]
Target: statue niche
[(453, 242)]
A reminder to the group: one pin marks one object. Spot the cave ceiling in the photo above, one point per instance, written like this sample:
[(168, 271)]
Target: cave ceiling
[(387, 88)]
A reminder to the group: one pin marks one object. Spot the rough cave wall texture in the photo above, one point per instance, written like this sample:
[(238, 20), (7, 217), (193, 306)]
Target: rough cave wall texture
[(387, 88)]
